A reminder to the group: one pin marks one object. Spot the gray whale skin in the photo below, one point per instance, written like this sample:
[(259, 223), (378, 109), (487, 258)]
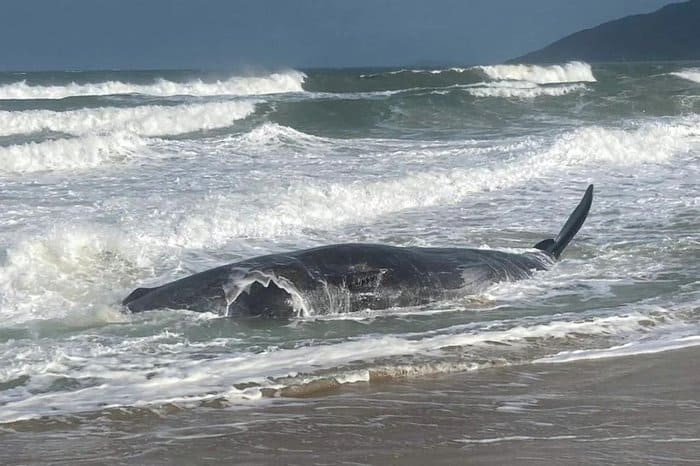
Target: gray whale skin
[(350, 277)]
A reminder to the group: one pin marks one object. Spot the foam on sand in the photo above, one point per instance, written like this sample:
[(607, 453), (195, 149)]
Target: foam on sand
[(155, 371), (628, 349)]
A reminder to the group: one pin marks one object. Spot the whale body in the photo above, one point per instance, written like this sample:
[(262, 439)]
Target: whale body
[(351, 277)]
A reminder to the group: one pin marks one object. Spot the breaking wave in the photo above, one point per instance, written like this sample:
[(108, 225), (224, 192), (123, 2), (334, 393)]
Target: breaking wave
[(454, 69), (275, 83), (274, 134), (691, 74), (162, 375), (149, 120), (45, 277), (210, 221), (521, 89), (571, 72), (76, 153), (321, 205), (568, 73)]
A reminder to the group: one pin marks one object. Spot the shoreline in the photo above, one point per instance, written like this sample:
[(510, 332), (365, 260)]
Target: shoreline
[(646, 406)]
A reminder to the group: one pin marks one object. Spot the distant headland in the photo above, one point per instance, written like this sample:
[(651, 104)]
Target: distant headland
[(670, 33)]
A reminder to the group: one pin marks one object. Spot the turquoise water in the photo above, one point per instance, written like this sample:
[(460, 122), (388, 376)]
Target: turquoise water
[(113, 180)]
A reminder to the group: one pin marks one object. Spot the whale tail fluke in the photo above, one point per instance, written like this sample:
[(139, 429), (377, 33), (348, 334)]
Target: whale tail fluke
[(555, 246)]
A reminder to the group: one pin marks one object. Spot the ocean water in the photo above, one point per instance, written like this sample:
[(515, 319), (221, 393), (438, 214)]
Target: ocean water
[(114, 180)]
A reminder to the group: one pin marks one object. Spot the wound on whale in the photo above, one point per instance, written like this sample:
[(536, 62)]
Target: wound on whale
[(351, 277)]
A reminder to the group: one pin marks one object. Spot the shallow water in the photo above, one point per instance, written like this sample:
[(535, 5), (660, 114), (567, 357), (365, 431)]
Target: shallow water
[(112, 180), (627, 410)]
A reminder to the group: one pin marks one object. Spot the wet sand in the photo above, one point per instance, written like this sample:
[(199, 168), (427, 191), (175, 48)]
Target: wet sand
[(632, 410)]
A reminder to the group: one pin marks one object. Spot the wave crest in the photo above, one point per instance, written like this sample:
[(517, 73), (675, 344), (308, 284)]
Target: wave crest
[(150, 120), (235, 376), (268, 134), (62, 154), (45, 276), (453, 69), (691, 74), (521, 89), (327, 205), (571, 72), (275, 83)]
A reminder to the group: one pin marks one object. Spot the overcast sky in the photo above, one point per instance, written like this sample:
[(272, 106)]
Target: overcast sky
[(112, 34)]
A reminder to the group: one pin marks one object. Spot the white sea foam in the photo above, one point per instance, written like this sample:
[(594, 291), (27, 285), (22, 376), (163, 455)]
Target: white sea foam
[(147, 371), (566, 73), (63, 154), (273, 135), (517, 81), (269, 134), (147, 120), (105, 135), (628, 349), (68, 272), (453, 69), (325, 205), (521, 89), (655, 141), (515, 438), (690, 74), (288, 81)]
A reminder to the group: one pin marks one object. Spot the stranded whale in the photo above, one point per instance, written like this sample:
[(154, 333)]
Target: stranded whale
[(351, 277)]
